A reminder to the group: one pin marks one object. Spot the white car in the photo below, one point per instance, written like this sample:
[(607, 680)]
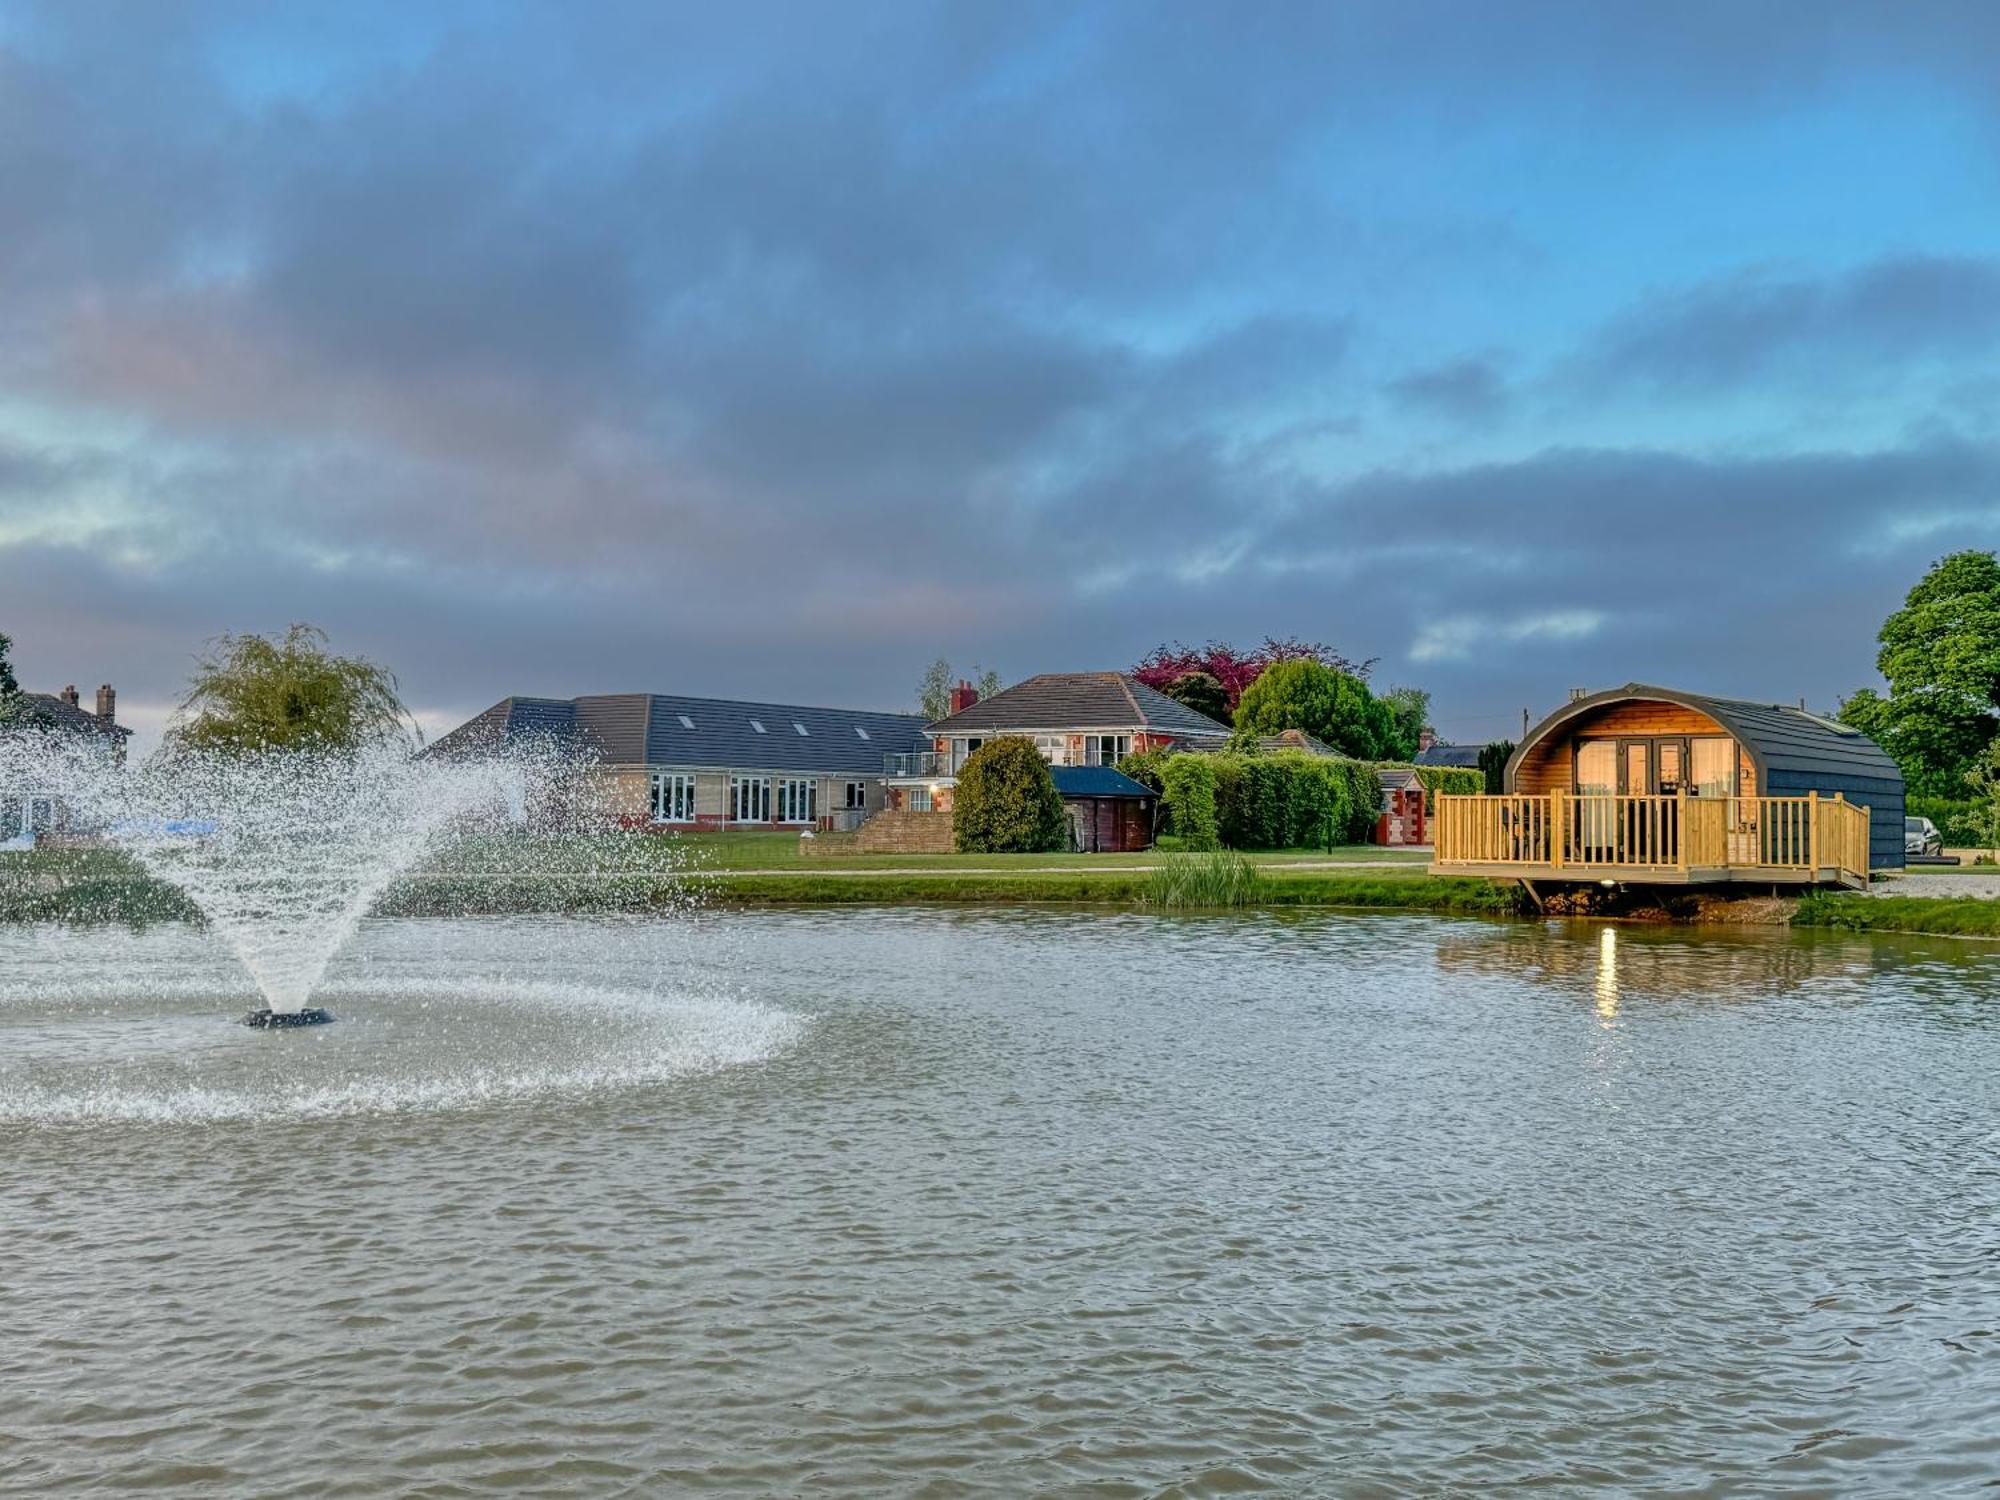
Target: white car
[(1921, 838)]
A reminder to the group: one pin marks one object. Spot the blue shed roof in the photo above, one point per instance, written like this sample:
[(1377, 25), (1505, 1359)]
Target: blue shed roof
[(1097, 781)]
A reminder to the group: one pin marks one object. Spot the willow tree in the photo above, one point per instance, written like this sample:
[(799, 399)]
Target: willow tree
[(288, 692)]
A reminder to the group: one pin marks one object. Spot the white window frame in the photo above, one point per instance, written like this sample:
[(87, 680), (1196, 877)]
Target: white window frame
[(797, 799), (673, 796), (857, 794), (920, 799), (1054, 748), (749, 799), (1093, 749)]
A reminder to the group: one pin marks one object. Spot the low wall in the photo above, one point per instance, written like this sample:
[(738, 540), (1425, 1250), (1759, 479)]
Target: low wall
[(888, 832)]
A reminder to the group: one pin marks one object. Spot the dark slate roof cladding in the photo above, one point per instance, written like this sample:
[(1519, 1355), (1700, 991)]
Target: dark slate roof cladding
[(634, 729), (53, 711), (1096, 781), (1081, 701), (509, 719), (1465, 757), (724, 736)]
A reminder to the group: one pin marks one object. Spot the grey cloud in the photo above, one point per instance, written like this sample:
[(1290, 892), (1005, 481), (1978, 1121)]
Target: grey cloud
[(1470, 390), (1757, 322)]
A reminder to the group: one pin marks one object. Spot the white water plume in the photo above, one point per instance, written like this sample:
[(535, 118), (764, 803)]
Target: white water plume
[(282, 852)]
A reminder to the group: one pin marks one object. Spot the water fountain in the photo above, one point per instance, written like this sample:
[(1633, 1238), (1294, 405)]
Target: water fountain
[(489, 995), (282, 853)]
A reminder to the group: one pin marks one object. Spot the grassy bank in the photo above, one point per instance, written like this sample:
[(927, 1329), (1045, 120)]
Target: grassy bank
[(1943, 915), (490, 879)]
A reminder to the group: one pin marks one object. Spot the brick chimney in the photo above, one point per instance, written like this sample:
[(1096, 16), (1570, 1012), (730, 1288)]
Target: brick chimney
[(1426, 737), (68, 694), (107, 704), (963, 696)]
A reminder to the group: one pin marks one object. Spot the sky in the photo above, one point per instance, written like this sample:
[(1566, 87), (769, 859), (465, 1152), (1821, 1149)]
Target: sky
[(772, 352)]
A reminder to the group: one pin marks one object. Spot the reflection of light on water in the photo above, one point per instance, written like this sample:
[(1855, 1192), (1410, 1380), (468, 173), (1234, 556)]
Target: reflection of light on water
[(1607, 974)]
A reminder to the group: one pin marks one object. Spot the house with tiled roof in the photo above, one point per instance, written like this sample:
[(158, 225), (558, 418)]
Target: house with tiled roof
[(27, 812), (687, 762), (1074, 719)]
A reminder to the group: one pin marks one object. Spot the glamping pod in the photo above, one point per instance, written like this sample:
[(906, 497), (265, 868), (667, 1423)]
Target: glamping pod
[(1650, 785)]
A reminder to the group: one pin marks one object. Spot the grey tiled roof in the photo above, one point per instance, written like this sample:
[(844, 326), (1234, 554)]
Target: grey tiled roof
[(655, 729), (1079, 701), (50, 711), (1440, 754)]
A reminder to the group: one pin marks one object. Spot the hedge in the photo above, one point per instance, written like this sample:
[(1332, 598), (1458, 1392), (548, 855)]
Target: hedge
[(1459, 781), (1188, 789)]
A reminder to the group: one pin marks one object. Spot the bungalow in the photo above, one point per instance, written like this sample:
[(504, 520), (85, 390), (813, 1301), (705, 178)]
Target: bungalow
[(28, 811), (709, 762), (1074, 719), (1651, 785)]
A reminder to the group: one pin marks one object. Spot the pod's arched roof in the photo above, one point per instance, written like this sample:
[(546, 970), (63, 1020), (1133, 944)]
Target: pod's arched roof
[(1778, 736)]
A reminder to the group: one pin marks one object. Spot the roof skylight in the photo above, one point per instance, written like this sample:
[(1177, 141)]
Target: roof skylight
[(860, 731), (757, 725), (686, 722), (798, 726)]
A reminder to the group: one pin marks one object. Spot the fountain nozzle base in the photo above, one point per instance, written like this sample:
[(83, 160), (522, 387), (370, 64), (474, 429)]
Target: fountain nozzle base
[(266, 1020)]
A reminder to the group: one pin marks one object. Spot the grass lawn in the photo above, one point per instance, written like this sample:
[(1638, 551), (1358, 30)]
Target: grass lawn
[(1952, 916), (723, 852), (621, 873)]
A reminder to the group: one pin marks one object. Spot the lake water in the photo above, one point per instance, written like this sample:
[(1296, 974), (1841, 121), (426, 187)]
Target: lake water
[(992, 1203)]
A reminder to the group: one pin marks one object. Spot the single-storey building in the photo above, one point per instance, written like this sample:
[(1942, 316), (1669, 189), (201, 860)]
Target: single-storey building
[(1402, 822), (27, 812), (1432, 751), (679, 762), (1073, 718), (1653, 785), (1109, 812)]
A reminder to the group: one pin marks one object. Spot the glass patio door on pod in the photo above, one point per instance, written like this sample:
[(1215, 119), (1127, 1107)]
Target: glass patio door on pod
[(1652, 775)]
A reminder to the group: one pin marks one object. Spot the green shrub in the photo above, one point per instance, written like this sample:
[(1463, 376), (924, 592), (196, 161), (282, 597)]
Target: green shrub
[(1364, 800), (1145, 769), (1459, 781), (1216, 879), (1188, 788), (1006, 802)]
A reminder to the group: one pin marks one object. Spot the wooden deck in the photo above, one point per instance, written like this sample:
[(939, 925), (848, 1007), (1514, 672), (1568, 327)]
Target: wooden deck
[(1677, 840)]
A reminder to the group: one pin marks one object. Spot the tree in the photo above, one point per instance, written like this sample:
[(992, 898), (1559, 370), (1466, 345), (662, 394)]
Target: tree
[(1201, 692), (1234, 669), (1984, 782), (1941, 656), (934, 688), (934, 691), (1408, 710), (1301, 693), (253, 692), (10, 690), (1006, 801), (1493, 758)]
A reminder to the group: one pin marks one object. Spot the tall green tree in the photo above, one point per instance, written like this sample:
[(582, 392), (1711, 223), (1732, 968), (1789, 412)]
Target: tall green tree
[(10, 690), (1408, 709), (1941, 656), (1201, 691), (1332, 706), (288, 692), (934, 687)]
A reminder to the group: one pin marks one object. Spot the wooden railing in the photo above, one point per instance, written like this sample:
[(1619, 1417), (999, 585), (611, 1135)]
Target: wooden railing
[(1553, 831)]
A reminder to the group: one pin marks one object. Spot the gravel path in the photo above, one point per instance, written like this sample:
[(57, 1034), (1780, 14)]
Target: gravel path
[(1983, 885)]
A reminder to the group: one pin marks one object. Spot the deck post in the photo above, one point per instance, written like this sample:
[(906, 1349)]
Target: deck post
[(1681, 830), (1812, 836), (1556, 829)]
